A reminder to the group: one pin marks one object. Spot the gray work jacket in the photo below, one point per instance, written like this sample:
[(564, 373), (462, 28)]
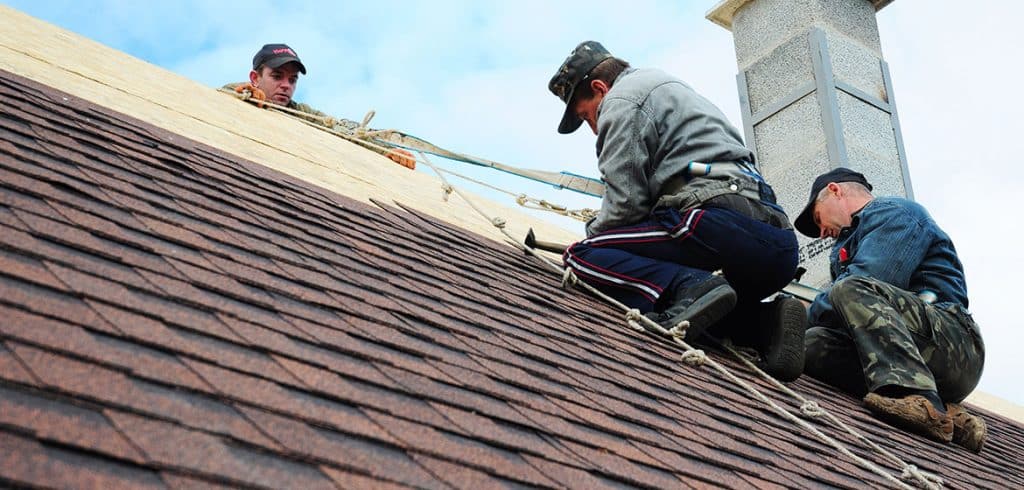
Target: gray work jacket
[(650, 127)]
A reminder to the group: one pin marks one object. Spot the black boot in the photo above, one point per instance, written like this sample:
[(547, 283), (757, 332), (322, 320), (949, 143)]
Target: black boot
[(784, 321), (702, 304)]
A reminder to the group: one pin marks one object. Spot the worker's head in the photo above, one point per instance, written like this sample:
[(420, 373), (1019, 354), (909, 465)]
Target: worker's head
[(582, 82), (835, 197), (275, 71)]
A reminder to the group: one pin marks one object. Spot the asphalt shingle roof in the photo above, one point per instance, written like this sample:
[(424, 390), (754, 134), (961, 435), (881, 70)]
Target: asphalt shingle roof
[(174, 316)]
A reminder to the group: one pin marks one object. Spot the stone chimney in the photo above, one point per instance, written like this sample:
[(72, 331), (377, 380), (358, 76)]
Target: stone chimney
[(815, 94)]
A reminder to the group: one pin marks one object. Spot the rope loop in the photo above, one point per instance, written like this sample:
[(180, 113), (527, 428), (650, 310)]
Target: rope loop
[(498, 222), (633, 319), (679, 330), (569, 278), (694, 357), (361, 131), (811, 408), (558, 208), (911, 472), (585, 214)]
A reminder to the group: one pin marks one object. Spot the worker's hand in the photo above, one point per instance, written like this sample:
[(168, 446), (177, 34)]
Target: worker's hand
[(402, 157), (254, 93)]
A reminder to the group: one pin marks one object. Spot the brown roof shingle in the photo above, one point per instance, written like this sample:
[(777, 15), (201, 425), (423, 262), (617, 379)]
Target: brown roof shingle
[(173, 316)]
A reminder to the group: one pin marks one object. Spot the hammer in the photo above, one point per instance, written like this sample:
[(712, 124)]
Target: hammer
[(532, 242)]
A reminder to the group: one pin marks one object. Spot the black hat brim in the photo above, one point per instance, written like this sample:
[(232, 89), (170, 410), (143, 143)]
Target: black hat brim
[(278, 62), (805, 221), (570, 121)]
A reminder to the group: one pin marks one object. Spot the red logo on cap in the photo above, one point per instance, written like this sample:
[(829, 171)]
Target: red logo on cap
[(285, 50)]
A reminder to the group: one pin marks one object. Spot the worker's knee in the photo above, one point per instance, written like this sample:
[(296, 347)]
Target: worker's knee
[(851, 289)]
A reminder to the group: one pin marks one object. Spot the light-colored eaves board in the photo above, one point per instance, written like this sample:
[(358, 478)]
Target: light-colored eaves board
[(998, 405), (77, 65)]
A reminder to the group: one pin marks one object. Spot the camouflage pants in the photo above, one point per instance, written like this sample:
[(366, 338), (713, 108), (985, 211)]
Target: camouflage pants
[(891, 337)]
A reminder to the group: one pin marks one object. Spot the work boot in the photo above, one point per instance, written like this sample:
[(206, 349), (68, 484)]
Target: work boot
[(702, 304), (969, 430), (913, 413), (784, 321)]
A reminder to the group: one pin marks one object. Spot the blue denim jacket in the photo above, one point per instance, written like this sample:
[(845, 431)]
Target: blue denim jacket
[(895, 240), (650, 126)]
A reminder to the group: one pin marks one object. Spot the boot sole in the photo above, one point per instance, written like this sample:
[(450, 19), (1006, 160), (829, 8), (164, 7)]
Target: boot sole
[(706, 311), (784, 355)]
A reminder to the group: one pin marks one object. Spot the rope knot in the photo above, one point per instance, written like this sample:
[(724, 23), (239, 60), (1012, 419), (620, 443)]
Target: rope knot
[(498, 222), (911, 472), (363, 128), (522, 199), (330, 122), (694, 357), (679, 331), (569, 278), (811, 408), (558, 208), (447, 190), (633, 319)]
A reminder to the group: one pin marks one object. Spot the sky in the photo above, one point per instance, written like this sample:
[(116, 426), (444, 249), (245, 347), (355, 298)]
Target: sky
[(472, 77)]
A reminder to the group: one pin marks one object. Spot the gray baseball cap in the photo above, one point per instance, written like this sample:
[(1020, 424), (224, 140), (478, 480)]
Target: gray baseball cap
[(573, 71)]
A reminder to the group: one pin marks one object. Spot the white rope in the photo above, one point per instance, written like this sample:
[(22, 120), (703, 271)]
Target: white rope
[(328, 124), (694, 357), (633, 319), (813, 409), (679, 330), (583, 214), (361, 134), (690, 356), (569, 278)]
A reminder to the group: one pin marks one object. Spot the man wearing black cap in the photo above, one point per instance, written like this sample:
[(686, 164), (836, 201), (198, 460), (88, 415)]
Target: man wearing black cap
[(274, 75), (894, 324), (682, 198)]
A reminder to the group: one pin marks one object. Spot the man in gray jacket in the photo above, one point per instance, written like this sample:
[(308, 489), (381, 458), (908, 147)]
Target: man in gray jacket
[(682, 198)]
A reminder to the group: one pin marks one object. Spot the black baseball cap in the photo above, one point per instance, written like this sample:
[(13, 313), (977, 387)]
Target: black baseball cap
[(276, 55), (805, 222), (574, 70)]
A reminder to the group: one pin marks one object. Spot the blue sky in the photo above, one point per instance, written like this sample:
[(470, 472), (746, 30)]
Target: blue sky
[(472, 76)]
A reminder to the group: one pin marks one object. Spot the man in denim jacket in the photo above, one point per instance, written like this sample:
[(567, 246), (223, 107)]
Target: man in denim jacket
[(894, 324), (682, 199)]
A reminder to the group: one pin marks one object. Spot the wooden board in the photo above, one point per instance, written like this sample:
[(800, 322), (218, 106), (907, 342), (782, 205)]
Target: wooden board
[(87, 69)]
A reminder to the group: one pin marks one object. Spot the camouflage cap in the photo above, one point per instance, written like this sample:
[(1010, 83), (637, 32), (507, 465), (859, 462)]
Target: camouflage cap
[(573, 71)]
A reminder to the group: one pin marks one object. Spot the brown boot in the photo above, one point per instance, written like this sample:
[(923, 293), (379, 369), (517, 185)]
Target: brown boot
[(969, 430), (913, 413)]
